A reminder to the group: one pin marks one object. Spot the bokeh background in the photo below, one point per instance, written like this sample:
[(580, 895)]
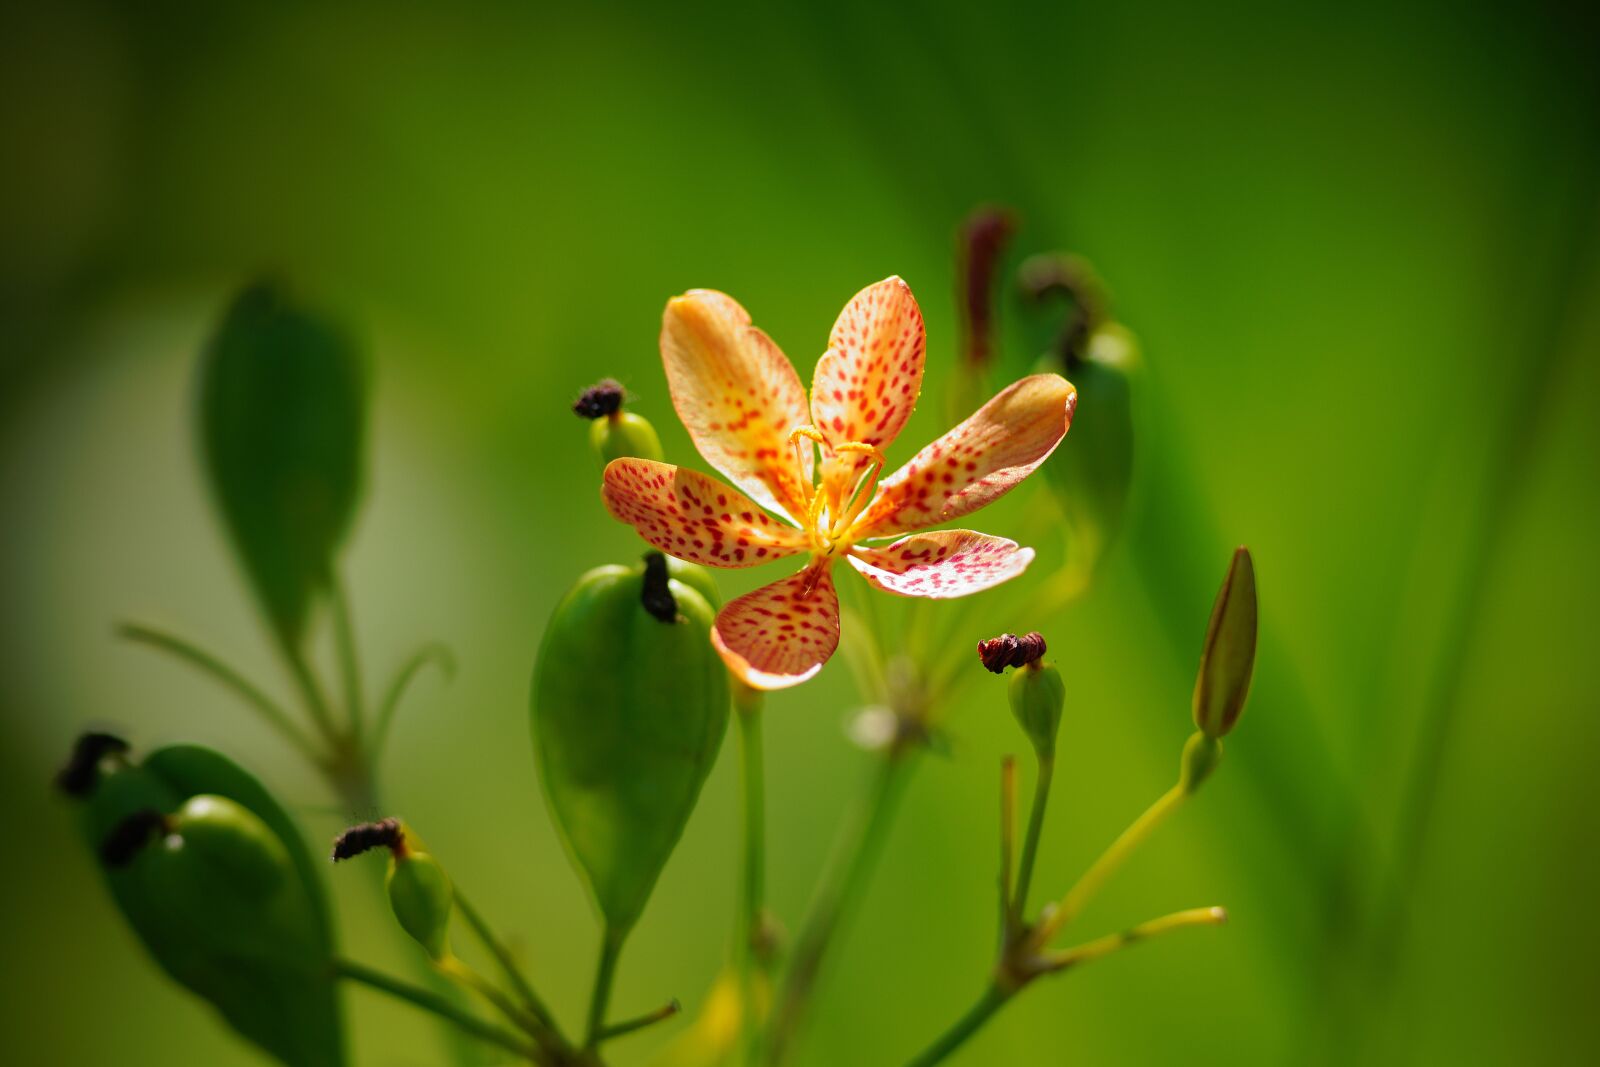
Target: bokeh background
[(1357, 241)]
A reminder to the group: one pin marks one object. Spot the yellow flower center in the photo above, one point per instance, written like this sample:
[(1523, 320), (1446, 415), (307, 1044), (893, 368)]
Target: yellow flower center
[(831, 513)]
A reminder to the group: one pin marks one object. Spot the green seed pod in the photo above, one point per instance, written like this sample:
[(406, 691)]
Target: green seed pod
[(421, 896), (1092, 472), (1201, 754), (210, 873), (629, 707), (1038, 696), (1228, 657), (624, 435), (228, 837)]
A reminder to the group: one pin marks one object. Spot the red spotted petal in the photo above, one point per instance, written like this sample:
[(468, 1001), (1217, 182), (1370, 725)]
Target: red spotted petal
[(942, 564), (738, 396), (866, 384), (977, 462), (695, 517), (781, 634)]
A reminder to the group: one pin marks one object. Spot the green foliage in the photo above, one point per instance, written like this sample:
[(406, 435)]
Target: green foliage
[(224, 897), (283, 412), (628, 713)]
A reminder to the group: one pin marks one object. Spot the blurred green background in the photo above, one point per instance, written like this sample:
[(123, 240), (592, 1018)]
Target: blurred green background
[(1357, 241)]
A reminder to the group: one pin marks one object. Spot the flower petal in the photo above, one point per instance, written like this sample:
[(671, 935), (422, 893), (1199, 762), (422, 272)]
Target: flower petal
[(695, 517), (738, 396), (978, 461), (866, 384), (941, 564), (781, 634)]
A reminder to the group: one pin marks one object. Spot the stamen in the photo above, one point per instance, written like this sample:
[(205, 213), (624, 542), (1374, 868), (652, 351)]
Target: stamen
[(862, 495), (813, 434)]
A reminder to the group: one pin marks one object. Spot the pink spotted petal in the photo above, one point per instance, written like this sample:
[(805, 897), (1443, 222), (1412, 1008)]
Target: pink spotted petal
[(738, 396), (695, 517), (977, 462), (781, 634), (942, 564)]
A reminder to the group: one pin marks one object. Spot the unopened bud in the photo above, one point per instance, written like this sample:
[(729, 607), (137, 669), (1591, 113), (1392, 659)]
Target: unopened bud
[(419, 891), (983, 241), (1228, 658), (233, 840)]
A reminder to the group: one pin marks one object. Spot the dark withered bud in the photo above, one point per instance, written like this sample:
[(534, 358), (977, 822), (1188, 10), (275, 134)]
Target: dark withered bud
[(385, 833), (130, 835), (656, 594), (1065, 276), (600, 399), (82, 770), (1009, 650), (983, 241)]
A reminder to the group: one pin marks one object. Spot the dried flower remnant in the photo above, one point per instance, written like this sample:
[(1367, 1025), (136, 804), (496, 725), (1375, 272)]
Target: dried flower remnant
[(1009, 650), (600, 399), (817, 463), (385, 833)]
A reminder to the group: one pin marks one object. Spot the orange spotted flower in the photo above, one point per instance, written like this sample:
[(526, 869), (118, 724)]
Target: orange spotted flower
[(817, 466)]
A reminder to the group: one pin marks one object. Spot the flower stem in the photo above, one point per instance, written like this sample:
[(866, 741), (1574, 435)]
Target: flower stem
[(440, 1006), (854, 857), (1104, 867), (508, 966), (381, 721), (604, 975), (752, 888), (1030, 844), (992, 1000), (1105, 946), (349, 663), (219, 671), (622, 1029), (1008, 841)]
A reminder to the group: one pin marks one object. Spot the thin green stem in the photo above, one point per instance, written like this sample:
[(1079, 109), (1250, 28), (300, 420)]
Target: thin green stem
[(252, 694), (1030, 844), (349, 662), (508, 966), (752, 887), (963, 1028), (1105, 946), (854, 856), (458, 970), (629, 1026), (430, 653), (605, 975), (1104, 867), (440, 1006), (311, 692), (1008, 841)]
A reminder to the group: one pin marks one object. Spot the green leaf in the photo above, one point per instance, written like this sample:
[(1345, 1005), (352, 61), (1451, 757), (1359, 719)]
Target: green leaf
[(283, 417), (260, 954), (628, 713), (1229, 656)]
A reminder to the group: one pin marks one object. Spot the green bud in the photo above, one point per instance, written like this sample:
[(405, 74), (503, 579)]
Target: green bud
[(629, 707), (1229, 655), (1201, 754), (421, 896), (1037, 697), (625, 435)]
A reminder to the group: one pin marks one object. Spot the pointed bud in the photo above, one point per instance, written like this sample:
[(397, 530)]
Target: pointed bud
[(1229, 654), (616, 434), (1201, 754), (983, 241), (233, 840)]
